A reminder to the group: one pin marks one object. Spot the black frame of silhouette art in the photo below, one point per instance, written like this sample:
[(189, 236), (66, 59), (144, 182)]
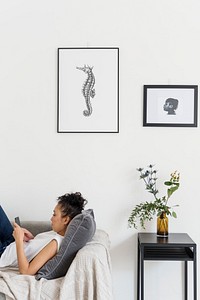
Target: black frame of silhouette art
[(170, 105), (88, 90)]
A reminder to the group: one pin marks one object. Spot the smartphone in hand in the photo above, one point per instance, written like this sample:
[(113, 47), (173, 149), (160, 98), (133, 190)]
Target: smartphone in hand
[(17, 220)]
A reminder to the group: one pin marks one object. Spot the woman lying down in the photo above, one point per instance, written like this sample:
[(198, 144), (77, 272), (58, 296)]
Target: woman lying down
[(19, 248)]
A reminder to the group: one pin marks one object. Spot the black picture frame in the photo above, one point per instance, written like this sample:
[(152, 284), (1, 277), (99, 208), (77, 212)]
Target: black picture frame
[(78, 70), (170, 105)]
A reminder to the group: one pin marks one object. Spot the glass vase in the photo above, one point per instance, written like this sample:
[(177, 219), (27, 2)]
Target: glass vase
[(162, 225)]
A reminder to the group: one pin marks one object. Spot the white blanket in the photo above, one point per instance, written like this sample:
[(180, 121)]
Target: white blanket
[(89, 277), (25, 287)]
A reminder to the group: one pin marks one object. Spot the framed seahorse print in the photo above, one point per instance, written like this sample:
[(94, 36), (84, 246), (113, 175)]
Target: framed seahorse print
[(88, 90)]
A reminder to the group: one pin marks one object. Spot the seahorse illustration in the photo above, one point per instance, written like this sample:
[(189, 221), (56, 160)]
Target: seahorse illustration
[(88, 90)]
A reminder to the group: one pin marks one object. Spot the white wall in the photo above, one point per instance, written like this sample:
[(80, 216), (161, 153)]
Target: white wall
[(159, 44)]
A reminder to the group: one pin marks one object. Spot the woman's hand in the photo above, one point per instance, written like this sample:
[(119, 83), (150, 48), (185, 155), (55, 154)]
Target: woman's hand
[(18, 233), (27, 235)]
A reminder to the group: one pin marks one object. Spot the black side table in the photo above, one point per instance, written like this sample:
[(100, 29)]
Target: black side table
[(176, 247)]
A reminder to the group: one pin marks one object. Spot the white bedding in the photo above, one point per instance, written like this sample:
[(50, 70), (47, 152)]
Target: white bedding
[(88, 278)]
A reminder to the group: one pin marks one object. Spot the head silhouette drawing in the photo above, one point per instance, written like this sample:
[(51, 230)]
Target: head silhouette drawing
[(170, 106)]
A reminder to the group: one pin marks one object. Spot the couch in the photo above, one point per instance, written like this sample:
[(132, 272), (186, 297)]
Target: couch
[(88, 277)]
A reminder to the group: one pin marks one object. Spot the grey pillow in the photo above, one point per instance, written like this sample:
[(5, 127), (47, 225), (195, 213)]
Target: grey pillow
[(80, 230)]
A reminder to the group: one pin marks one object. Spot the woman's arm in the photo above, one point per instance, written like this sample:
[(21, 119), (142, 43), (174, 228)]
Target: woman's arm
[(39, 260)]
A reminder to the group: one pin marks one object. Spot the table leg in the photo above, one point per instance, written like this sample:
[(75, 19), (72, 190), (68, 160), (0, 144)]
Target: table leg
[(142, 274), (138, 272), (186, 279), (195, 273)]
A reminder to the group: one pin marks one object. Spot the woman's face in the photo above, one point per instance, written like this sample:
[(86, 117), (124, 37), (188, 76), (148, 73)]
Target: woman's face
[(59, 223)]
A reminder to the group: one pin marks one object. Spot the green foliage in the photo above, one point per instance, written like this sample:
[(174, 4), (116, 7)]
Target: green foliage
[(146, 210)]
